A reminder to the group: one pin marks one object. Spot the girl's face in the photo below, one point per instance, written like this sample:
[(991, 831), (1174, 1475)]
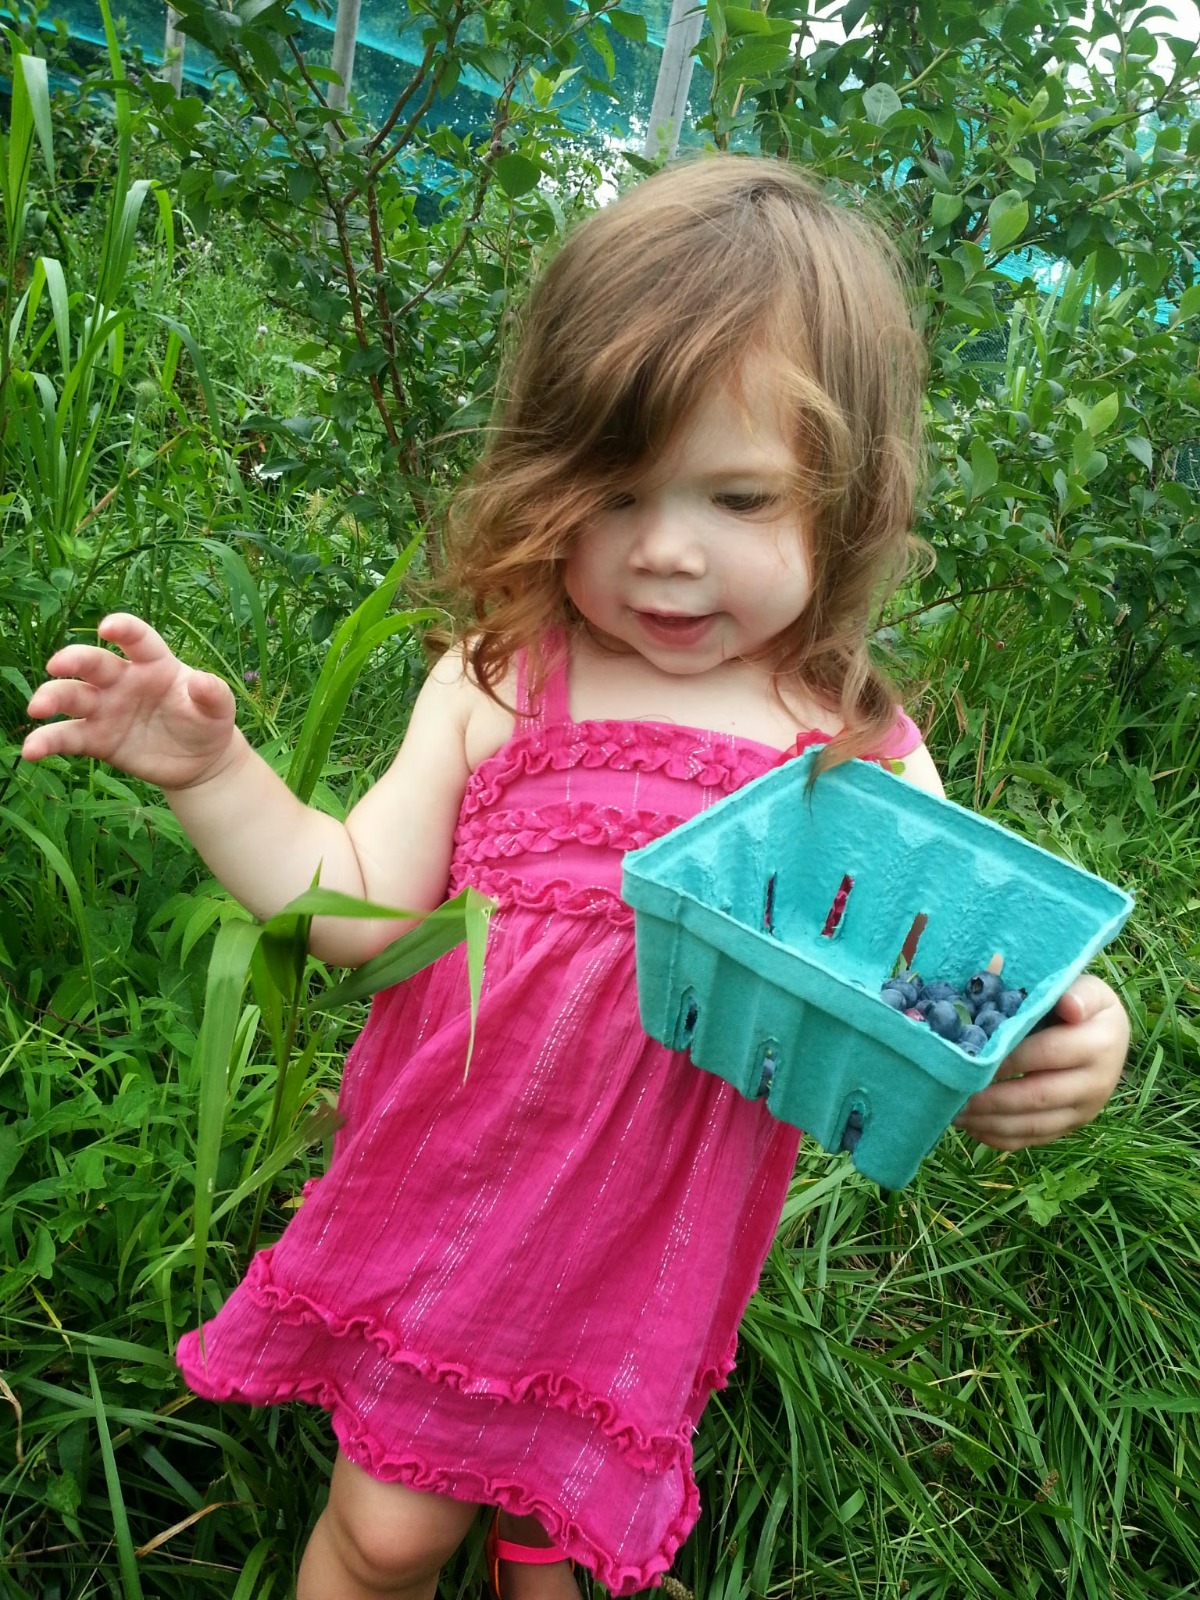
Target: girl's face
[(705, 558)]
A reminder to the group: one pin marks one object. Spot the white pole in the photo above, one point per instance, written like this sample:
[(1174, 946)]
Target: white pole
[(674, 78), (345, 36), (174, 43)]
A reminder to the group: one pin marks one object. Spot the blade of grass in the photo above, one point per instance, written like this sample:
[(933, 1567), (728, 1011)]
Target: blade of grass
[(131, 1583)]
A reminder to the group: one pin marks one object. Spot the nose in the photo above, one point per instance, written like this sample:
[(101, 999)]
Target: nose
[(666, 542)]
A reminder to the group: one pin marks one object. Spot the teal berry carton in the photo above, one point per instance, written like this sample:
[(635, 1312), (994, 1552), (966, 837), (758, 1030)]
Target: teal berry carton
[(766, 926)]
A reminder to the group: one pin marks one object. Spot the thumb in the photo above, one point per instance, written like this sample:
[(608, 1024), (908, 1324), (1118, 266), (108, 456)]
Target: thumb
[(1086, 996), (210, 694)]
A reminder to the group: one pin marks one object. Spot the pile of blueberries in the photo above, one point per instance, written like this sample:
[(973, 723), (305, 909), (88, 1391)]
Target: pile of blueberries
[(966, 1017)]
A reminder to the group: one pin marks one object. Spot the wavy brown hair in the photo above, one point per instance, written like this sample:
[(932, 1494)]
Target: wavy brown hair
[(651, 303)]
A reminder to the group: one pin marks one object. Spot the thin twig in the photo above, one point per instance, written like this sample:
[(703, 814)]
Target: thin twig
[(387, 322), (953, 599), (360, 327), (499, 123), (402, 99), (410, 126), (312, 84)]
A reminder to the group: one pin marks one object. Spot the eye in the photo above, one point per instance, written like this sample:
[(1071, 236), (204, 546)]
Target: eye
[(748, 503)]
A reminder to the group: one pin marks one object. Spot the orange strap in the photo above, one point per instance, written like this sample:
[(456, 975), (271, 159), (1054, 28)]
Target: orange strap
[(530, 1555)]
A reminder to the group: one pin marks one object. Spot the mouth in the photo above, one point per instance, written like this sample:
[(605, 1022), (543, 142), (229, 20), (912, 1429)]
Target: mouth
[(674, 628)]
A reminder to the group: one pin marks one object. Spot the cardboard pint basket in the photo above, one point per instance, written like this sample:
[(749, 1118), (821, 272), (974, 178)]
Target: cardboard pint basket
[(766, 925)]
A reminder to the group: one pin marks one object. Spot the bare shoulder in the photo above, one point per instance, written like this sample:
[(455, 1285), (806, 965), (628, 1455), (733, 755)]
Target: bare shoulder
[(919, 769), (452, 691)]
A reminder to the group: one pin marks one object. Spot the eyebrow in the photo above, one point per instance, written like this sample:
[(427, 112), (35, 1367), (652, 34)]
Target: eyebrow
[(769, 472)]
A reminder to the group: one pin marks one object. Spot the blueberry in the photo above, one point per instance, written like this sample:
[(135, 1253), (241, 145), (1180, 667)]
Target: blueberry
[(893, 997), (904, 987), (985, 987), (1009, 1001), (939, 989), (989, 1019), (944, 1019), (972, 1040)]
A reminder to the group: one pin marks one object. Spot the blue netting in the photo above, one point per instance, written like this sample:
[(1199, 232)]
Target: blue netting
[(389, 46)]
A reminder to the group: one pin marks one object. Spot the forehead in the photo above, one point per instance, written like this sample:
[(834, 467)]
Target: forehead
[(741, 424)]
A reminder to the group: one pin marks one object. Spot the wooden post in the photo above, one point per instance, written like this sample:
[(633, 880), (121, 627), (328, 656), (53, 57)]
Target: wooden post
[(174, 44), (345, 36), (674, 78)]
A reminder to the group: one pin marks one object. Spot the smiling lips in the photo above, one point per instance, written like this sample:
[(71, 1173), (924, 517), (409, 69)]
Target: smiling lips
[(668, 628)]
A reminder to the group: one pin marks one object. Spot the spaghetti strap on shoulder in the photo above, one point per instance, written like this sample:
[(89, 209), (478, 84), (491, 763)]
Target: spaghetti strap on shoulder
[(552, 705)]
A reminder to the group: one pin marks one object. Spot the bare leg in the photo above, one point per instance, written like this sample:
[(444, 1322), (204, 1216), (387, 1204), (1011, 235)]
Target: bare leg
[(379, 1541), (521, 1582)]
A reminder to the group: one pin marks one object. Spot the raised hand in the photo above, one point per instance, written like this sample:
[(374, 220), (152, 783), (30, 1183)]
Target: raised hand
[(144, 711)]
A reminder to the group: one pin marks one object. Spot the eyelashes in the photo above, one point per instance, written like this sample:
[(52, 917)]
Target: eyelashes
[(748, 504)]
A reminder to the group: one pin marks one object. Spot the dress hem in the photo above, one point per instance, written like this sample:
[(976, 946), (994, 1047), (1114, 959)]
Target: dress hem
[(365, 1450), (645, 1451)]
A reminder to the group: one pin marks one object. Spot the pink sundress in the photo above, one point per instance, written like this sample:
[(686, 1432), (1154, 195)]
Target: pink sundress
[(521, 1289)]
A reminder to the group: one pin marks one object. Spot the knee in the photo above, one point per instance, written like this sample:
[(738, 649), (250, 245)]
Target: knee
[(391, 1537)]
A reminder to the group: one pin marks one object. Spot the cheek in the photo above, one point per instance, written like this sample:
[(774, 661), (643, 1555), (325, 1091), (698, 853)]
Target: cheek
[(579, 571), (792, 559)]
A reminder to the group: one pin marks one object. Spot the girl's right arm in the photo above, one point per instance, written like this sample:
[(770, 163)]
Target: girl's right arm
[(156, 718)]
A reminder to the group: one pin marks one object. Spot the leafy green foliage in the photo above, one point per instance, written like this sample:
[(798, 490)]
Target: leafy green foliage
[(1058, 419), (399, 245)]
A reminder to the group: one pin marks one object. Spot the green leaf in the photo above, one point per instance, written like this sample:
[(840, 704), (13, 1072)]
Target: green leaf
[(1140, 448), (517, 174), (1023, 167), (33, 70), (1103, 414), (131, 1583), (985, 469), (438, 932), (479, 910), (880, 102), (741, 19), (1189, 303), (228, 969), (629, 24), (1110, 264), (946, 209), (10, 1151), (1008, 217)]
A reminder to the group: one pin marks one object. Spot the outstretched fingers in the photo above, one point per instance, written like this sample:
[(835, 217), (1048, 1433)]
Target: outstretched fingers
[(56, 739), (136, 638)]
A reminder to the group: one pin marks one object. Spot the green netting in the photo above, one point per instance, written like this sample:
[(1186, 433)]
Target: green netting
[(389, 46)]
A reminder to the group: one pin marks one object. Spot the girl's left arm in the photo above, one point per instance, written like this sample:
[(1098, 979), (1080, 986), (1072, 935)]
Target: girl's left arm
[(1059, 1078)]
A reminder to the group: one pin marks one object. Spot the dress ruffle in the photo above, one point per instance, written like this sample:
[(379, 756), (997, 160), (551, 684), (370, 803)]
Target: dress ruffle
[(687, 754), (655, 1453), (361, 1444), (535, 831), (557, 896)]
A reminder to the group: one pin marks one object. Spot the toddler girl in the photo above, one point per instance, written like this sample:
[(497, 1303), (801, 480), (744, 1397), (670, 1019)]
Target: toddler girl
[(519, 1289)]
